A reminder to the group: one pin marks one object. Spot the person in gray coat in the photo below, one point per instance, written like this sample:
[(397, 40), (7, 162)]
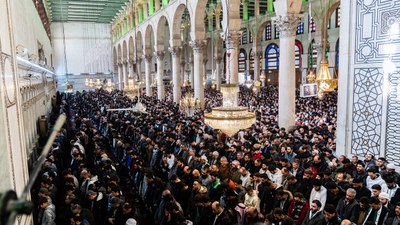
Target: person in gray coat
[(49, 211)]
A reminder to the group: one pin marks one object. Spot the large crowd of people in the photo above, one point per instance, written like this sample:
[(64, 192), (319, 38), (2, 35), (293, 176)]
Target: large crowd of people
[(163, 167)]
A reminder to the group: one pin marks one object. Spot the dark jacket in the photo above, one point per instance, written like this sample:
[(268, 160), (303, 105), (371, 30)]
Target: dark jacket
[(223, 219), (348, 211), (317, 219)]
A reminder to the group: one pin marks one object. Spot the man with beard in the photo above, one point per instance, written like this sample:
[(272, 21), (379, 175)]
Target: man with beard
[(363, 207), (334, 193), (314, 215), (319, 193), (278, 217), (330, 216), (348, 207), (377, 213), (298, 208), (395, 219), (362, 191)]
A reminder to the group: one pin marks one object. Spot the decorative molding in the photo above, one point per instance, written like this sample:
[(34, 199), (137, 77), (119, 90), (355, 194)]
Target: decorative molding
[(392, 140), (175, 51), (232, 39), (373, 41), (159, 55), (367, 111), (198, 45), (287, 25), (147, 57)]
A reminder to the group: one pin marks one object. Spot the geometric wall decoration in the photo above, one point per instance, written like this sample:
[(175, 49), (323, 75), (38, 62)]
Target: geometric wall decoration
[(367, 111), (374, 41), (393, 120)]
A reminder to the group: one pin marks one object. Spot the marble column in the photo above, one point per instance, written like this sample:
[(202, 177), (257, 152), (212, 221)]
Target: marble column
[(160, 74), (256, 57), (191, 73), (131, 69), (205, 60), (120, 76), (287, 26), (125, 71), (175, 53), (218, 68), (182, 71), (139, 68), (148, 59), (198, 48), (232, 46)]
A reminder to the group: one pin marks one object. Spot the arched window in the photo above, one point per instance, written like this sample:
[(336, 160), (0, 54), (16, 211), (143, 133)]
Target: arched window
[(242, 60), (272, 57), (268, 31), (244, 36), (276, 33), (311, 24), (298, 52), (300, 28), (312, 55), (250, 37)]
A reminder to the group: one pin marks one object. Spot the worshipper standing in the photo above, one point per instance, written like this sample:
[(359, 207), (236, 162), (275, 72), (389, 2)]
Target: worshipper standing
[(48, 215), (314, 215), (221, 215), (319, 193), (330, 216), (377, 213), (348, 207)]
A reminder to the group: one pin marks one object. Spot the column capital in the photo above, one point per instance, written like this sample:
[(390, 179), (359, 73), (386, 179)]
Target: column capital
[(205, 60), (159, 55), (198, 45), (147, 57), (232, 38), (175, 51), (287, 24)]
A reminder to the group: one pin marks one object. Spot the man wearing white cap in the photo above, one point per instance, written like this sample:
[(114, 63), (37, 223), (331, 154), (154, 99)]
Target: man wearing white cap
[(384, 199), (131, 221)]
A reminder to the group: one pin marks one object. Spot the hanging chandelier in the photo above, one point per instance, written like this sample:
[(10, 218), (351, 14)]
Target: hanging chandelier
[(230, 118), (189, 104), (310, 77), (109, 86), (131, 90), (325, 81)]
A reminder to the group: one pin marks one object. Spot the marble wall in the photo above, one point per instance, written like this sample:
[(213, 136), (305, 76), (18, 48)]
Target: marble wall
[(369, 102)]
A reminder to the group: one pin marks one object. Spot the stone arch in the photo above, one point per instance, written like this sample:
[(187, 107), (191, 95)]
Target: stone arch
[(139, 43), (115, 59), (230, 9), (131, 48), (260, 30), (119, 59), (160, 38), (197, 29), (175, 28), (149, 38), (124, 51)]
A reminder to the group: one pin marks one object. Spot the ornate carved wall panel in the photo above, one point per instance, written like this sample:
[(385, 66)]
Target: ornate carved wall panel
[(393, 120)]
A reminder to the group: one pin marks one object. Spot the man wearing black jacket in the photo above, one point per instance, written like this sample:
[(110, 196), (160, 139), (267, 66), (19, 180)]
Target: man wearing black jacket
[(347, 207)]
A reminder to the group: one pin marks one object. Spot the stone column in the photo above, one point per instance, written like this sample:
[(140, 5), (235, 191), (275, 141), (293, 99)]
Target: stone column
[(175, 53), (148, 59), (125, 71), (198, 46), (191, 74), (160, 73), (131, 69), (218, 68), (232, 46), (205, 60), (182, 71), (145, 10), (287, 26), (139, 68), (120, 76), (256, 57)]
